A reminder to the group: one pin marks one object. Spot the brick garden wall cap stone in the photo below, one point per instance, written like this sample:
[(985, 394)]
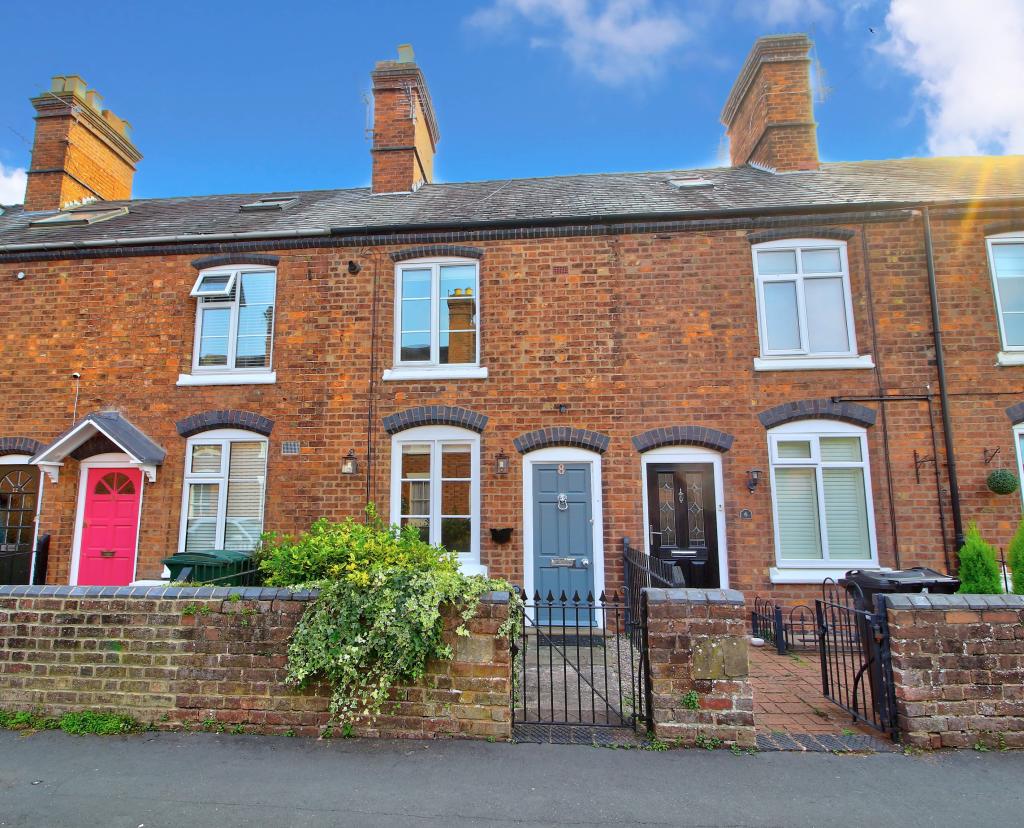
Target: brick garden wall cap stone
[(161, 592), (226, 418), (823, 409), (693, 596), (424, 415), (931, 600), (561, 436), (683, 436), (435, 250)]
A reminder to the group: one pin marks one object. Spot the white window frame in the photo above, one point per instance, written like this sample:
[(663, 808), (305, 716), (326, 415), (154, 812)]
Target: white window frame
[(228, 374), (404, 370), (1018, 433), (1009, 354), (437, 436), (802, 358), (790, 570), (222, 437)]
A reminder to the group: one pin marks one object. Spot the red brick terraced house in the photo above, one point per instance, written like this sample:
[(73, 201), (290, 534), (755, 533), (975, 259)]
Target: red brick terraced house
[(770, 372)]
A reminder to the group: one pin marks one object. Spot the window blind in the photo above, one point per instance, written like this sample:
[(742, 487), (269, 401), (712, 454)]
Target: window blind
[(796, 495)]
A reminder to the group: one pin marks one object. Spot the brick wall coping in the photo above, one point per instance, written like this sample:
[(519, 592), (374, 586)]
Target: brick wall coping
[(163, 592), (931, 600), (694, 596)]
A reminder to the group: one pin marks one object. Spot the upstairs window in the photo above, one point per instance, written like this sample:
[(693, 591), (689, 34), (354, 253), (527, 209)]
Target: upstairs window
[(803, 298), (234, 320), (437, 314), (1006, 260)]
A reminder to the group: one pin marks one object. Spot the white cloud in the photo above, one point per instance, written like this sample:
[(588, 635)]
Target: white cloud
[(969, 63), (614, 41), (785, 12), (12, 185)]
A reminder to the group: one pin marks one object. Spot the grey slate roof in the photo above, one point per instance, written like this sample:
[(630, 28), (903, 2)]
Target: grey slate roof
[(122, 432), (530, 200)]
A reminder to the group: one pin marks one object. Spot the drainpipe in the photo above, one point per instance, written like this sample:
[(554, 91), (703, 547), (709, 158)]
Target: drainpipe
[(940, 365)]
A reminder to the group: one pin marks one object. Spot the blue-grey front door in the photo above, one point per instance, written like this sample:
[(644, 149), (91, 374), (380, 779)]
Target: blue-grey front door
[(563, 536)]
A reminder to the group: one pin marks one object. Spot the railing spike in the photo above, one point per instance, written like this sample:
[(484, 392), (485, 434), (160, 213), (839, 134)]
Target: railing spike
[(550, 598), (602, 598), (576, 596), (590, 597), (536, 596), (562, 599)]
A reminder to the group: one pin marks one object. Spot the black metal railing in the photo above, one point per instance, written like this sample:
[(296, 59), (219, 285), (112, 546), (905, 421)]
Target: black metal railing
[(640, 571), (785, 628), (575, 664), (856, 663)]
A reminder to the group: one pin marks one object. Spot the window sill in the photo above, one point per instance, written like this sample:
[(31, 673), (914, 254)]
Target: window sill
[(812, 363), (435, 373), (255, 378), (1010, 358), (471, 568), (815, 575)]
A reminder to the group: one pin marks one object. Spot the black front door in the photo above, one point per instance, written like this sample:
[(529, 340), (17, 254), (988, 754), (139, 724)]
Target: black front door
[(682, 523), (19, 488)]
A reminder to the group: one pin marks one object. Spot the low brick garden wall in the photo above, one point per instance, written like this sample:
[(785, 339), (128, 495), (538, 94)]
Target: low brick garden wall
[(184, 656), (697, 641), (958, 668)]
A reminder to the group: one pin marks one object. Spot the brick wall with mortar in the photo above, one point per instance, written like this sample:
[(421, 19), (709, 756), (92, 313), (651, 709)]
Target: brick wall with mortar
[(697, 642), (597, 322), (958, 669), (181, 657)]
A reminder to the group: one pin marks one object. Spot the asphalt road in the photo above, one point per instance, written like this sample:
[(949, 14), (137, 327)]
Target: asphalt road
[(155, 780)]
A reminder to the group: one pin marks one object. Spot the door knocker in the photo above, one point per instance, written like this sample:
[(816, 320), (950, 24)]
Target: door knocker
[(563, 502)]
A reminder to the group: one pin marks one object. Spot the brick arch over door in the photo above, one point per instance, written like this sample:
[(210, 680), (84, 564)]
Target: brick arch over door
[(683, 436), (561, 436), (228, 418), (824, 409), (435, 415), (19, 445)]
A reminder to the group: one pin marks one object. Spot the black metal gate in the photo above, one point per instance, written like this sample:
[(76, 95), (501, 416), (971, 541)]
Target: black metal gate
[(640, 571), (856, 663), (575, 663)]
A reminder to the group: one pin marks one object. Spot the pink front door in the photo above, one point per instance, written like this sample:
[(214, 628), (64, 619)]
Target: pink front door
[(110, 527)]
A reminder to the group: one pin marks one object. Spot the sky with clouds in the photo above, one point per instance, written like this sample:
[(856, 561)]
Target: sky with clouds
[(259, 96)]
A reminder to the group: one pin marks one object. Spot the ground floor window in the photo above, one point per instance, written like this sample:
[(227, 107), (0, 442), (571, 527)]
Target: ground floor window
[(224, 492), (821, 495), (435, 486)]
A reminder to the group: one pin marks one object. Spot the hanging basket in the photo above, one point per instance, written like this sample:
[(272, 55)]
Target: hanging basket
[(1002, 481)]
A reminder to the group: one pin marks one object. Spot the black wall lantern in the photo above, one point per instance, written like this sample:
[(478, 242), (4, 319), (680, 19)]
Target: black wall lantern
[(501, 463), (753, 477), (349, 464)]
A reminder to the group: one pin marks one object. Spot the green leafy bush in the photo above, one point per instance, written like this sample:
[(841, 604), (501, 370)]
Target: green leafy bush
[(1016, 559), (377, 620), (1002, 481), (348, 551), (979, 569)]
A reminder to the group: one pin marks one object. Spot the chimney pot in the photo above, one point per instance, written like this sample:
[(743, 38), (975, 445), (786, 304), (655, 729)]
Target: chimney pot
[(95, 100), (406, 54)]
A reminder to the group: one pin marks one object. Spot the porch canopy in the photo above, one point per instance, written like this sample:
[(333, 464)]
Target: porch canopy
[(113, 432)]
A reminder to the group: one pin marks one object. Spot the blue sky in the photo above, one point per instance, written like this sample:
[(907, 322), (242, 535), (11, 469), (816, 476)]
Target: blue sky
[(252, 96)]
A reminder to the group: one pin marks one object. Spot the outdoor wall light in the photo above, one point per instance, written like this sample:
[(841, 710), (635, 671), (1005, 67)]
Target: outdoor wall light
[(753, 476), (349, 464), (501, 463), (354, 268)]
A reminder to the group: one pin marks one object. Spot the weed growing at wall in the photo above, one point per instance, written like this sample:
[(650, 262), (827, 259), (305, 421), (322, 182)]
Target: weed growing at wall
[(76, 722), (377, 619), (1015, 558)]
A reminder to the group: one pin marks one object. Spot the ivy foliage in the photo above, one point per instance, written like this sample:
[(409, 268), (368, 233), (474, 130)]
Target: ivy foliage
[(377, 619), (979, 569)]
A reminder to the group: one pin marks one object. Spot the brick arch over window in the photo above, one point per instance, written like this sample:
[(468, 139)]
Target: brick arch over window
[(796, 232), (433, 251), (236, 259), (683, 436), (19, 445), (230, 418), (561, 436), (1014, 226), (435, 415), (826, 409), (1016, 413)]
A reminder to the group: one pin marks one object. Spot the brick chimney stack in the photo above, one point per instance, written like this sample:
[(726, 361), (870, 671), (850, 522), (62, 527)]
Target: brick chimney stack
[(769, 116), (81, 150), (405, 131)]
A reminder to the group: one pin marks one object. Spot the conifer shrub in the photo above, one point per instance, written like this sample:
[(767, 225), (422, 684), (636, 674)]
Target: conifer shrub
[(979, 568), (1016, 559)]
